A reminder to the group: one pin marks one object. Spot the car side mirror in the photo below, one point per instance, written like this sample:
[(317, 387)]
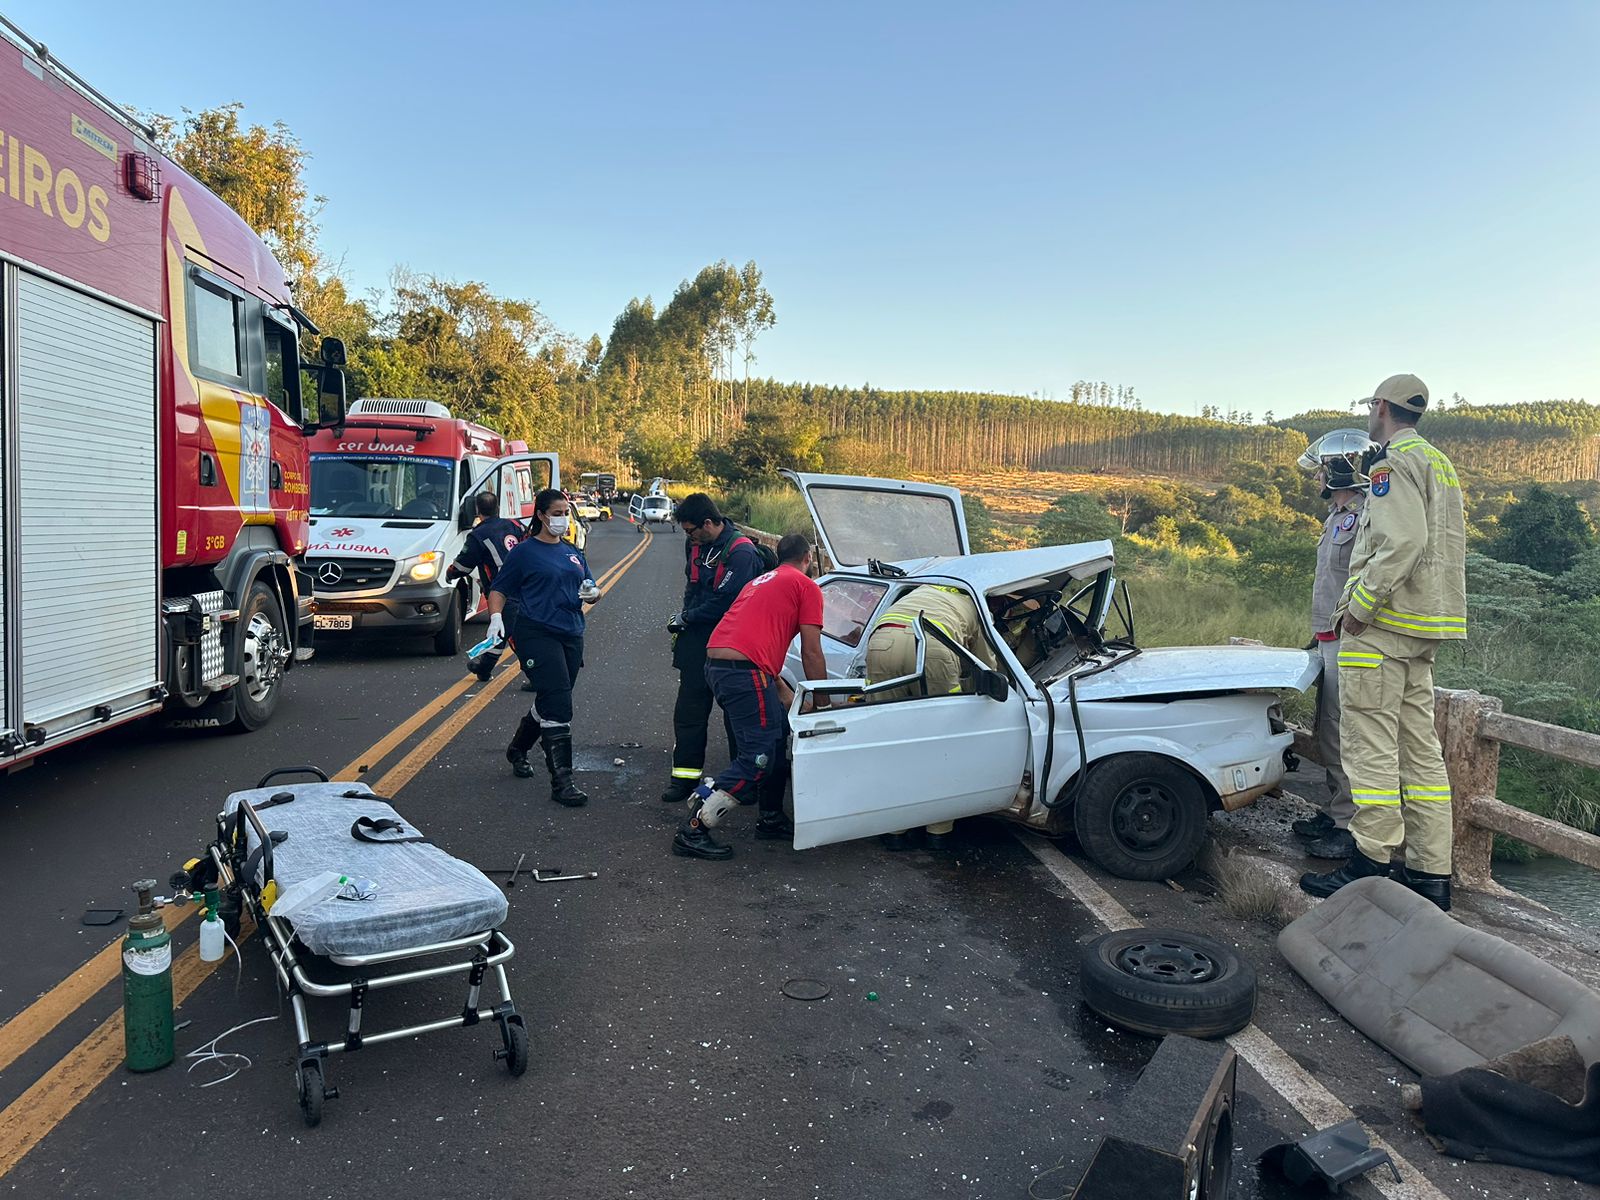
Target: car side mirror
[(992, 684), (464, 514)]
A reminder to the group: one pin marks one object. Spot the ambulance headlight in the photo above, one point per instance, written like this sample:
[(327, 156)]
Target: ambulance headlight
[(422, 567)]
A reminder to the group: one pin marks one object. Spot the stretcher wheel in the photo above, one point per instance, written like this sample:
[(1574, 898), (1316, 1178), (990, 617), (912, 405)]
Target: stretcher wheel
[(516, 1051), (311, 1092)]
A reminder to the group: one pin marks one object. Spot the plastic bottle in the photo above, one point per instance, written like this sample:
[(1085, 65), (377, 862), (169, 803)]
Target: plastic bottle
[(307, 892), (211, 937)]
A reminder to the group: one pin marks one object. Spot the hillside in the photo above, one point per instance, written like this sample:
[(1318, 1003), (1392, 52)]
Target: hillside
[(1549, 441)]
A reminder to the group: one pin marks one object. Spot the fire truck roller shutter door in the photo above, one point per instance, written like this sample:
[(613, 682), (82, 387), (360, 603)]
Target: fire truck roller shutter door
[(86, 496)]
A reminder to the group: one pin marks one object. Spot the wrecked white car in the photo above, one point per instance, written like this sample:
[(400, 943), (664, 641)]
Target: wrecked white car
[(1167, 734)]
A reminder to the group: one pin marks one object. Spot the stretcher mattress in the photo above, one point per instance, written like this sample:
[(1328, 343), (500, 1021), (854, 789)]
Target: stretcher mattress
[(424, 894)]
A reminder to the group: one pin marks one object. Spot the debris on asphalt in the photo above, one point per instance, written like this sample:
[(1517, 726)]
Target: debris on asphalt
[(102, 916), (806, 989)]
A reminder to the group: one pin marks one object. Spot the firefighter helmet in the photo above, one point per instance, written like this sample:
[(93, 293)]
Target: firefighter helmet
[(1342, 457)]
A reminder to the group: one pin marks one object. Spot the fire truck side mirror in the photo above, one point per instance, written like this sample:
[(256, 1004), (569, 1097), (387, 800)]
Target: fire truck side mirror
[(330, 408), (333, 352)]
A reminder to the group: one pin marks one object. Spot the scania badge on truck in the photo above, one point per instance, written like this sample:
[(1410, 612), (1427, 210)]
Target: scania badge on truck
[(392, 495), (155, 411)]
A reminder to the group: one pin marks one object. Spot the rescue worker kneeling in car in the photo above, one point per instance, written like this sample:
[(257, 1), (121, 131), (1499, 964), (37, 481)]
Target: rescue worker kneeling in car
[(892, 647), (892, 653)]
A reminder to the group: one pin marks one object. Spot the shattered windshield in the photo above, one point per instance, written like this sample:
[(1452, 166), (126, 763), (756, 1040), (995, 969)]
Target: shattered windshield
[(891, 526), (357, 485)]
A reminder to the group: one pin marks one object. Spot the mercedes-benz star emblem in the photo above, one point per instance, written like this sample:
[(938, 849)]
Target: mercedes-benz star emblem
[(330, 573)]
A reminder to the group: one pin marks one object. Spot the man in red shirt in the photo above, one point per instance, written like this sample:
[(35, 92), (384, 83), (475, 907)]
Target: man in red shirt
[(744, 658)]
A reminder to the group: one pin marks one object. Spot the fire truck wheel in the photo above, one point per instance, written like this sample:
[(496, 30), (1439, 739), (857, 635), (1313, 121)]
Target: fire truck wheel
[(448, 640), (261, 658)]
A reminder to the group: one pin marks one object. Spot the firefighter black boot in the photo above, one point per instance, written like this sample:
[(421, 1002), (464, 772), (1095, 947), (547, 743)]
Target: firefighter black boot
[(1429, 887), (773, 823), (679, 790), (558, 757), (1359, 867), (521, 742), (693, 839)]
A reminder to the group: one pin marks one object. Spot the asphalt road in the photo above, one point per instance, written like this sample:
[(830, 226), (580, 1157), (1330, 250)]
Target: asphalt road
[(666, 1059)]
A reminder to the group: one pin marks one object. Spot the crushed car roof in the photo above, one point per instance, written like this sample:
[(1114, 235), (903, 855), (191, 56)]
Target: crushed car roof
[(1017, 570)]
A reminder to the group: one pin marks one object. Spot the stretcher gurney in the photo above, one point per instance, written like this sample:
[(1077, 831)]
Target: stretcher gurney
[(428, 904)]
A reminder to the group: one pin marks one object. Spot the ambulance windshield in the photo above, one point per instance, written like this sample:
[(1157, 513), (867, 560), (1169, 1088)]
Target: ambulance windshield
[(358, 485)]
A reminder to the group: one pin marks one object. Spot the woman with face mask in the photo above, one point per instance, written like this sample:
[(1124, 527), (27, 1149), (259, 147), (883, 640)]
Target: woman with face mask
[(549, 580)]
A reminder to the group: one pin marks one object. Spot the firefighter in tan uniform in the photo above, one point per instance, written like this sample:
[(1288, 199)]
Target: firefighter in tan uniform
[(892, 652), (892, 648), (1405, 595)]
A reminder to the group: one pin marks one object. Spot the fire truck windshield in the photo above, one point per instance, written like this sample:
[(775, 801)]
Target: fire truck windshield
[(359, 485)]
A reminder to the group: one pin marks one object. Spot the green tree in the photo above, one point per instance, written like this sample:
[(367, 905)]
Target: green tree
[(1075, 517), (1544, 530), (770, 441)]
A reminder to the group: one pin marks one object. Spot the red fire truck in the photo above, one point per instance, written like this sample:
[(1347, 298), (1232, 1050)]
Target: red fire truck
[(154, 413)]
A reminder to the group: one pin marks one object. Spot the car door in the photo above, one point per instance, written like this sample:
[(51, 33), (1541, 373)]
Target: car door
[(515, 479), (891, 520), (862, 769)]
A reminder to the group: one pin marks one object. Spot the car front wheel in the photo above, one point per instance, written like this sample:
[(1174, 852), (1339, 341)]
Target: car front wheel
[(1141, 816)]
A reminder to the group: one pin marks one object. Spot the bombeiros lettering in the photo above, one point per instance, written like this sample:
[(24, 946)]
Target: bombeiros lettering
[(28, 177)]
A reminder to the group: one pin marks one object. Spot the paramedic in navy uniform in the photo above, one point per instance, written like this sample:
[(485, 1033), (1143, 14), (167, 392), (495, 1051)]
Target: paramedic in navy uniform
[(549, 581)]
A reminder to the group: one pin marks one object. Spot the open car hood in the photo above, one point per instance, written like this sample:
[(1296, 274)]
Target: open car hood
[(900, 521), (1197, 670)]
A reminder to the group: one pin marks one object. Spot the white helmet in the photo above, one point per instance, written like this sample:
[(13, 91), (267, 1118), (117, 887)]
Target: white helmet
[(1342, 456)]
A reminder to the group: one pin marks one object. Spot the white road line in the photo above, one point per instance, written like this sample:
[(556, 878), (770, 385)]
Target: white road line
[(1316, 1104)]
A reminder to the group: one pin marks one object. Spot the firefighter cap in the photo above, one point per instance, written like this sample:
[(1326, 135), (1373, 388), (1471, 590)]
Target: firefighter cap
[(1403, 391)]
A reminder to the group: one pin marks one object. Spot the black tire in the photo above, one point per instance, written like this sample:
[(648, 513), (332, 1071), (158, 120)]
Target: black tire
[(447, 641), (1141, 816), (516, 1039), (1161, 981), (311, 1094), (261, 663)]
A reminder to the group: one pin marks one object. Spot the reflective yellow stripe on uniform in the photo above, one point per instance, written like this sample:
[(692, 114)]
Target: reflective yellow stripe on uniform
[(1391, 619), (911, 619), (1381, 796), (1360, 658), (1430, 794), (686, 772)]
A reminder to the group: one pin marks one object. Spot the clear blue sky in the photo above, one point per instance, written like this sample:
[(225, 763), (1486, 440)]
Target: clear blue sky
[(1264, 206)]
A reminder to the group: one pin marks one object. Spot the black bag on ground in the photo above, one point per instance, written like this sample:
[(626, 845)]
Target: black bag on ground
[(1478, 1114)]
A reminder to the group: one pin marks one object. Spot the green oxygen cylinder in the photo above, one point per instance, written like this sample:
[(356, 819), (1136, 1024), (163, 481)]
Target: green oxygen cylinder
[(147, 986)]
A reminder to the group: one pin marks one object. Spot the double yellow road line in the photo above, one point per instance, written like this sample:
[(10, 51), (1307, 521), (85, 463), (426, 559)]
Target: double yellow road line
[(28, 1119)]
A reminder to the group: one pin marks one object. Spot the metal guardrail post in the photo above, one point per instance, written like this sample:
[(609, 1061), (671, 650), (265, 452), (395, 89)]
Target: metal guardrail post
[(1473, 763)]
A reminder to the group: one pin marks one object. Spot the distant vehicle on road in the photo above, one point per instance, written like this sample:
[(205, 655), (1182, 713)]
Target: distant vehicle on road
[(647, 510), (155, 412), (391, 503), (602, 486), (1077, 730), (590, 509)]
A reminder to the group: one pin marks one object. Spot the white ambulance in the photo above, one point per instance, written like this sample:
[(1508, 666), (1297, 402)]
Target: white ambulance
[(392, 499)]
